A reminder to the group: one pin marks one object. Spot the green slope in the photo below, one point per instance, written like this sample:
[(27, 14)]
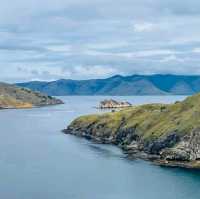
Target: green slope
[(173, 130), (16, 97)]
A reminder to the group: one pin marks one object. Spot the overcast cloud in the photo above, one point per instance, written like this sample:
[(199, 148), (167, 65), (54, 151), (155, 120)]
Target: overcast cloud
[(81, 39)]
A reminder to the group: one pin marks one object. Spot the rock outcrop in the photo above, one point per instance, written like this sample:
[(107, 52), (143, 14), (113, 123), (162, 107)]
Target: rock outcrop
[(166, 134), (16, 97), (110, 104)]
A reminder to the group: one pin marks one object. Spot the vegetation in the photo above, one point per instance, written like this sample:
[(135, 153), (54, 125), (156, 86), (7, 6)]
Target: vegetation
[(16, 97), (10, 102), (151, 121)]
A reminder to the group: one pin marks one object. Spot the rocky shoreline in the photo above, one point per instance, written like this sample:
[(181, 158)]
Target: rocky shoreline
[(135, 153), (167, 135)]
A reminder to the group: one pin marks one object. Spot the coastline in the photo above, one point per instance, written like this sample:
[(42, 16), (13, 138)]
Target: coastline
[(154, 159), (166, 134), (30, 107)]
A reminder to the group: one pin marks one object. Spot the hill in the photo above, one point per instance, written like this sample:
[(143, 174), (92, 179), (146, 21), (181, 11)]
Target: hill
[(16, 97), (166, 134), (120, 85)]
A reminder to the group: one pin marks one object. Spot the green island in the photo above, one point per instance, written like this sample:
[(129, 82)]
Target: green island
[(167, 134), (16, 97)]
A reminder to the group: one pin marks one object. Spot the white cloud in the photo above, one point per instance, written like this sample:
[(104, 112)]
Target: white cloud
[(97, 38), (31, 73), (154, 52), (59, 48), (144, 27), (94, 71), (171, 58), (196, 50), (136, 54)]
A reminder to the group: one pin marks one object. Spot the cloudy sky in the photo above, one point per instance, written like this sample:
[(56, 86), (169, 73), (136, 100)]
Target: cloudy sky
[(81, 39)]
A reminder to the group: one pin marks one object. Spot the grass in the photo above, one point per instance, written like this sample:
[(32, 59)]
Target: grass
[(151, 120), (16, 97), (10, 102)]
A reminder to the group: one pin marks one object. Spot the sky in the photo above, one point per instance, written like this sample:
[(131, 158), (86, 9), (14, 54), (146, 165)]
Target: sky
[(82, 39)]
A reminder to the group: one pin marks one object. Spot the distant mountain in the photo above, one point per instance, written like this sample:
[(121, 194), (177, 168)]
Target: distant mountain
[(16, 97), (120, 85)]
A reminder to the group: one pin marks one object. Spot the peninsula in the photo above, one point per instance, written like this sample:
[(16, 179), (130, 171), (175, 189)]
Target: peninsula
[(16, 97), (165, 134)]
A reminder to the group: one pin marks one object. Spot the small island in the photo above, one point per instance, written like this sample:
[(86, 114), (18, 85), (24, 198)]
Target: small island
[(14, 97), (113, 104), (167, 134)]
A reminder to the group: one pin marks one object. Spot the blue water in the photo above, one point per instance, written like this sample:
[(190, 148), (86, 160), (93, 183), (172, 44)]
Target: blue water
[(37, 161)]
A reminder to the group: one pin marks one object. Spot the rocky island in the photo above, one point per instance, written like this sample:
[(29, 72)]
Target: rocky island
[(110, 104), (166, 134), (16, 97)]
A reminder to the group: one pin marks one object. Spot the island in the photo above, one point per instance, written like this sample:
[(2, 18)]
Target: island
[(12, 96), (166, 134), (113, 104)]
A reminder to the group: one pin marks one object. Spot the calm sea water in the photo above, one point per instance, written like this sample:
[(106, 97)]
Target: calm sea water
[(37, 161)]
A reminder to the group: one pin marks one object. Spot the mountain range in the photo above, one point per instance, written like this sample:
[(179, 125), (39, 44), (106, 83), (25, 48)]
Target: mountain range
[(120, 85)]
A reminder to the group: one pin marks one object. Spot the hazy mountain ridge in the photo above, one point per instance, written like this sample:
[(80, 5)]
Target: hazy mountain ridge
[(120, 85)]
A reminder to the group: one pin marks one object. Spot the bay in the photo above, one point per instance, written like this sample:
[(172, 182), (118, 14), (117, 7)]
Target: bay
[(38, 161)]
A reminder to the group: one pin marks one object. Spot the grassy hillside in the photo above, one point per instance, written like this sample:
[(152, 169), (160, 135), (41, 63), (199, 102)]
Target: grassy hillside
[(16, 97), (10, 102), (171, 132), (151, 120)]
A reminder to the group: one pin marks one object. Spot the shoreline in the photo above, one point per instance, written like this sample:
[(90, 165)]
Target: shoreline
[(137, 154), (167, 134), (31, 107)]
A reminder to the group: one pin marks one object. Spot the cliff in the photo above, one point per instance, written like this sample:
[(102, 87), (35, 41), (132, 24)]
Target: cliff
[(16, 97), (166, 134)]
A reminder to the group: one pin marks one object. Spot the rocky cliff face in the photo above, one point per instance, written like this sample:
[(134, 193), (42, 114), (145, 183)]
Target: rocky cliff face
[(167, 134), (16, 97)]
